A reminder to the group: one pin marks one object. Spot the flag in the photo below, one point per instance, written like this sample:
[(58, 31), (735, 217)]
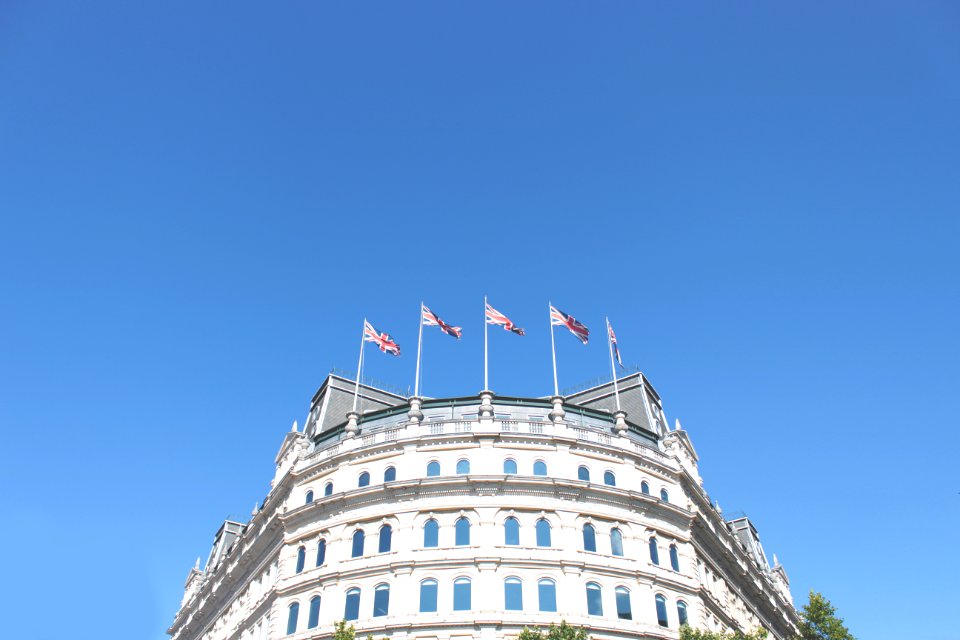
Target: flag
[(613, 343), (433, 320), (382, 340), (495, 317), (576, 327)]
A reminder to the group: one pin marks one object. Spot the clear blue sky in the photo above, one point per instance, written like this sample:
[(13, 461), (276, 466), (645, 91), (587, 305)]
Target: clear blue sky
[(201, 201)]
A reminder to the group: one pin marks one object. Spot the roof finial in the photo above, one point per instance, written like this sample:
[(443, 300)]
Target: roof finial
[(196, 565), (294, 428), (776, 563), (256, 509), (676, 425)]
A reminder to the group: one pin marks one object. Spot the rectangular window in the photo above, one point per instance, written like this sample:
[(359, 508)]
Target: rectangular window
[(513, 595), (381, 601), (461, 595), (548, 596), (428, 596)]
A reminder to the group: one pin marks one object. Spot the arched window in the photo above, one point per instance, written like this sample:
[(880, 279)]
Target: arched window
[(513, 594), (301, 558), (351, 608), (539, 468), (328, 489), (461, 594), (462, 532), (292, 612), (321, 552), (510, 467), (433, 469), (381, 600), (357, 550), (313, 619), (363, 480), (609, 479), (589, 537), (654, 552), (664, 495), (431, 533), (389, 474), (616, 542), (662, 611), (645, 488), (594, 600), (385, 538), (543, 533), (428, 596), (583, 473), (623, 603), (463, 467), (511, 531), (674, 558), (547, 592), (309, 497), (681, 612)]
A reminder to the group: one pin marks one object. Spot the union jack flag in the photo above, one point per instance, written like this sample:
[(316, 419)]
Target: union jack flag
[(495, 317), (382, 340), (576, 327), (433, 320), (613, 343)]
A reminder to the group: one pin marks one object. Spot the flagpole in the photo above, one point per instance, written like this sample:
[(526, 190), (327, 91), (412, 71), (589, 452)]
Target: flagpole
[(416, 383), (613, 370), (486, 383), (553, 350), (356, 388)]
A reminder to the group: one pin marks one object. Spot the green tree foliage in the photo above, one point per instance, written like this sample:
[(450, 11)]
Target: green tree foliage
[(343, 632), (686, 633), (819, 621), (563, 631)]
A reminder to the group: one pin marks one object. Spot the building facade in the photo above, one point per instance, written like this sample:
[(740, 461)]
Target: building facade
[(473, 517)]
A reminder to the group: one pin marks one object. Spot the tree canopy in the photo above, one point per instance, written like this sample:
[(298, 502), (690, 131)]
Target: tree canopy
[(819, 621), (563, 631)]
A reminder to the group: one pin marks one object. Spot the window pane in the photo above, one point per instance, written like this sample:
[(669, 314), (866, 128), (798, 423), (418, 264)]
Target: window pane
[(645, 487), (583, 473), (654, 552), (381, 600), (428, 596), (510, 466), (674, 558), (351, 610), (662, 611), (301, 558), (364, 480), (664, 495), (314, 618), (682, 612), (589, 538), (357, 544), (390, 474), (623, 604), (543, 533), (539, 468), (511, 531), (433, 469), (386, 535), (609, 479), (594, 600), (431, 533), (292, 618), (328, 489), (461, 594), (616, 542), (462, 532), (309, 497), (513, 595), (463, 467), (547, 591), (321, 552)]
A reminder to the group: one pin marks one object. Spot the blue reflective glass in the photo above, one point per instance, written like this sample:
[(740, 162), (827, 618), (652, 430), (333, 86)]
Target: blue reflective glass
[(431, 533), (301, 558), (462, 531), (645, 488), (428, 596), (510, 467), (539, 468), (381, 601), (662, 611), (609, 478), (390, 474), (583, 474), (309, 497), (433, 469), (363, 480), (328, 489), (461, 594), (292, 618), (513, 595), (594, 600), (589, 538), (313, 619), (357, 550), (543, 533), (674, 558), (654, 552), (351, 610), (682, 612), (664, 495), (616, 542), (511, 531), (463, 467), (547, 593), (321, 552), (623, 604), (386, 537)]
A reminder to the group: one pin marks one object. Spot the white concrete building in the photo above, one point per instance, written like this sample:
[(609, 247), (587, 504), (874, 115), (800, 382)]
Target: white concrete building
[(472, 517)]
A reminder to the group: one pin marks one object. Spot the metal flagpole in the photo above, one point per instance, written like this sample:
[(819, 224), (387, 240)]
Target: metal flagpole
[(416, 383), (553, 350), (356, 388), (613, 369), (486, 383)]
